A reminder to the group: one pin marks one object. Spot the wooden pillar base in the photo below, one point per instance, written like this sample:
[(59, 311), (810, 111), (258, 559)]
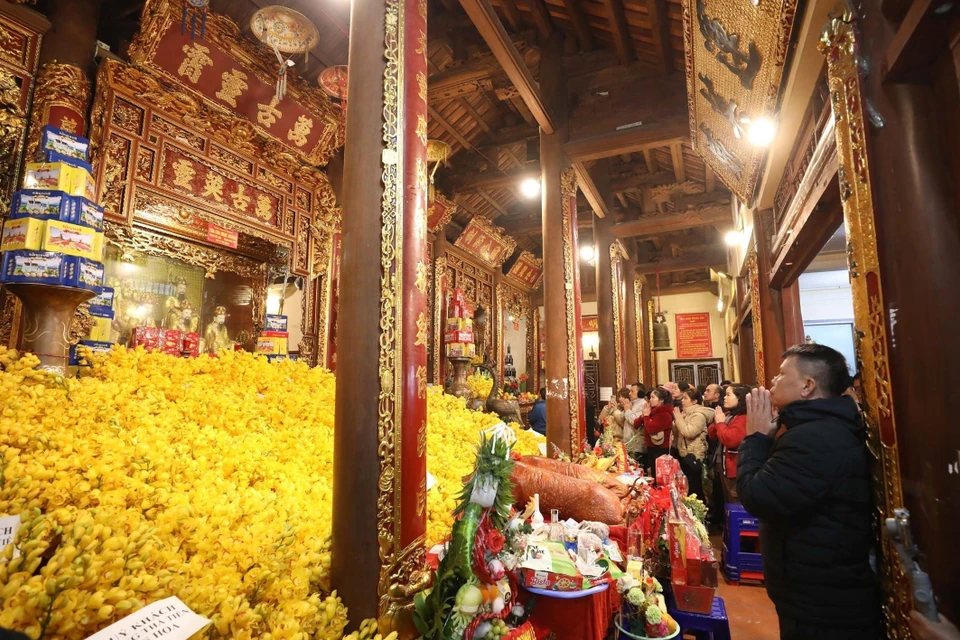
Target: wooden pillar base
[(48, 313)]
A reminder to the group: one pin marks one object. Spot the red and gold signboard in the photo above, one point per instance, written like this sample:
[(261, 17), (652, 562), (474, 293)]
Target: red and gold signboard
[(693, 336), (487, 242), (165, 161), (439, 212), (239, 77), (589, 323), (221, 236), (527, 269)]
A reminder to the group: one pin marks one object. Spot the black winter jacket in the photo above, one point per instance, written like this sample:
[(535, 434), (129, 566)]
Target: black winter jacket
[(811, 491)]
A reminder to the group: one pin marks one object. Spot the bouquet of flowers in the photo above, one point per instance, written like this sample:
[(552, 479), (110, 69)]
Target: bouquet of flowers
[(644, 613), (522, 378)]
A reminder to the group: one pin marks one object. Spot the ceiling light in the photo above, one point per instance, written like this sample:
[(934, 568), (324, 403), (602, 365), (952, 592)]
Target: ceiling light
[(530, 187), (761, 132), (587, 252), (733, 238)]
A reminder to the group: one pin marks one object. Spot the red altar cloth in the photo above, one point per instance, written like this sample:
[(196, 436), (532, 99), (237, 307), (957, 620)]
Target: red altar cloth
[(586, 618)]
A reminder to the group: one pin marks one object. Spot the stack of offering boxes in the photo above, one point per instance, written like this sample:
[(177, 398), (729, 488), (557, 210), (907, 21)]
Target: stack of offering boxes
[(458, 335), (272, 341), (54, 234), (100, 337)]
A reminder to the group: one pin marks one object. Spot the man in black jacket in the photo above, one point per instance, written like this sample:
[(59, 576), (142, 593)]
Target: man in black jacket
[(810, 488)]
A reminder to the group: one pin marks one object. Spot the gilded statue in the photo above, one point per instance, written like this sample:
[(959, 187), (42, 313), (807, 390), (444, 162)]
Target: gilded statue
[(215, 337), (186, 321), (173, 304)]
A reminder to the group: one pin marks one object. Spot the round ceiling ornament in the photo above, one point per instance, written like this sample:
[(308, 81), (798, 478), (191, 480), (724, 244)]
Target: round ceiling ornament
[(333, 81), (284, 29)]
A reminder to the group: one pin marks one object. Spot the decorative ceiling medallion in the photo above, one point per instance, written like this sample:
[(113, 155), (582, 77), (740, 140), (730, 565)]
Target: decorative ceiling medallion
[(735, 54), (333, 81), (287, 30)]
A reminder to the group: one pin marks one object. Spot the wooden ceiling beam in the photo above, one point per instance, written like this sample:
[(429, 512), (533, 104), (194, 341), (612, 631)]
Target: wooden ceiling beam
[(631, 183), (462, 80), (493, 203), (714, 257), (580, 24), (709, 179), (628, 140), (659, 223), (496, 37), (595, 186), (465, 104), (494, 179), (512, 14), (660, 27), (676, 154), (449, 128), (541, 18), (619, 29), (651, 160), (533, 225), (689, 287)]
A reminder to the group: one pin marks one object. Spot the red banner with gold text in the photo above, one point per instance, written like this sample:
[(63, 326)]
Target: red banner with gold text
[(693, 336)]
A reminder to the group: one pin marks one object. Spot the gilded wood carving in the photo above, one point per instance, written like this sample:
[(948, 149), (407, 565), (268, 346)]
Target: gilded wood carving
[(839, 43), (735, 54)]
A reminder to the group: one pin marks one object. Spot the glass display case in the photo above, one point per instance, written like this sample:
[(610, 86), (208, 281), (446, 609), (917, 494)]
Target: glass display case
[(164, 292)]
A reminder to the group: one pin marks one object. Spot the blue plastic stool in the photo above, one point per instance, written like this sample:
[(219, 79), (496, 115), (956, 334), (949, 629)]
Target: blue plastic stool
[(704, 627), (736, 563)]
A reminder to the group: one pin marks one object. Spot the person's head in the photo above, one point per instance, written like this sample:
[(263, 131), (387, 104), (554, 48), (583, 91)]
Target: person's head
[(637, 390), (809, 372), (712, 393), (623, 397), (543, 393), (672, 389), (682, 386), (660, 396), (725, 383), (701, 388), (690, 397), (220, 315), (180, 285), (735, 402)]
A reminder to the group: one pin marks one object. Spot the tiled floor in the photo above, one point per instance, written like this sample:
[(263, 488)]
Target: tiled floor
[(751, 614)]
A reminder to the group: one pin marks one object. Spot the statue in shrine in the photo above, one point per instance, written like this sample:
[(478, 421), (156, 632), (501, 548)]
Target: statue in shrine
[(480, 332), (186, 320), (132, 309), (215, 337), (173, 304)]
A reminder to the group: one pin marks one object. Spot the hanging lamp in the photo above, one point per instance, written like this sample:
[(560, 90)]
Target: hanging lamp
[(661, 333), (437, 153)]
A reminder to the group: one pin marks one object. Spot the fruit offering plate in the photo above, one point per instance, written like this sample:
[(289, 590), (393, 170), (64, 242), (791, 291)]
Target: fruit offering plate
[(569, 595)]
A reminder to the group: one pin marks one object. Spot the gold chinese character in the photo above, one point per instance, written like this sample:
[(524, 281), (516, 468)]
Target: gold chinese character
[(183, 173), (420, 222), (422, 129), (421, 177), (422, 278), (422, 81), (213, 187), (422, 46), (233, 85), (422, 497), (265, 209), (267, 114), (194, 62), (69, 124), (421, 381), (422, 6), (240, 199), (421, 340), (422, 439), (300, 131)]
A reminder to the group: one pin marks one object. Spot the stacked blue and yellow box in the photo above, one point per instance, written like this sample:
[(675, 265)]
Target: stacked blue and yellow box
[(55, 231)]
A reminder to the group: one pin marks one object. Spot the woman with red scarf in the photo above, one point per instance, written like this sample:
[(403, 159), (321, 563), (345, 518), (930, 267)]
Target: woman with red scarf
[(657, 423)]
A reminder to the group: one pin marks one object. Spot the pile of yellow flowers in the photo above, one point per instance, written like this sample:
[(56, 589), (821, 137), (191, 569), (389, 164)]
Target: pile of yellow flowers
[(208, 479), (451, 442), (480, 385)]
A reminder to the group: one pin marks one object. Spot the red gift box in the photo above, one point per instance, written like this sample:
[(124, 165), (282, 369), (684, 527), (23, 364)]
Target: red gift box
[(458, 336), (171, 341), (694, 599), (191, 344), (667, 468), (149, 337)]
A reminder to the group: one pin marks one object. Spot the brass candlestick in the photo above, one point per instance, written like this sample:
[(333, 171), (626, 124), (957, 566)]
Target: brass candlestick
[(47, 314)]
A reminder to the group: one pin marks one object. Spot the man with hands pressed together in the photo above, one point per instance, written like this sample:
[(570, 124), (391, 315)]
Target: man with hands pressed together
[(810, 489)]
